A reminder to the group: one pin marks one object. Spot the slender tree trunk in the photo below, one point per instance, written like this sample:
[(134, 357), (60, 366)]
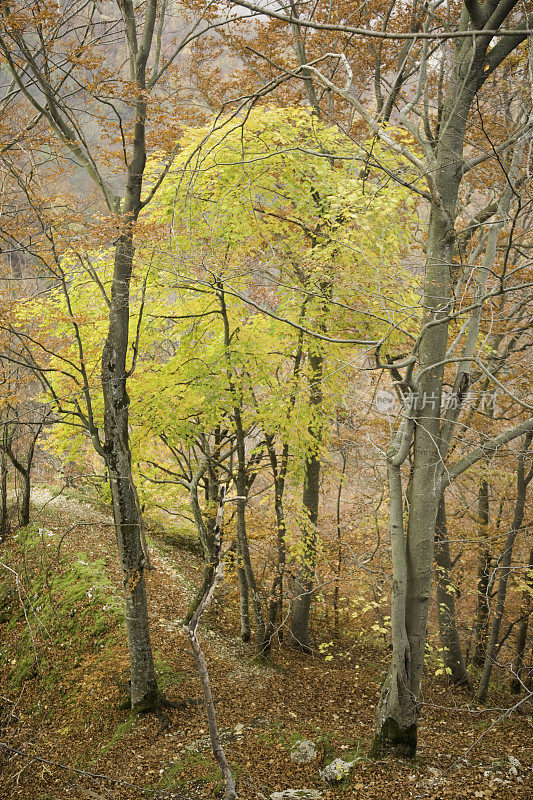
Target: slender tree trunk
[(126, 512), (26, 497), (304, 583), (521, 639), (483, 575), (279, 472), (449, 635), (397, 714), (276, 592), (244, 598), (242, 536), (336, 588), (206, 540), (4, 523), (504, 564), (243, 552)]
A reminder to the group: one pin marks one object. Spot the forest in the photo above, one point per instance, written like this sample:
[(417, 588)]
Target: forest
[(266, 429)]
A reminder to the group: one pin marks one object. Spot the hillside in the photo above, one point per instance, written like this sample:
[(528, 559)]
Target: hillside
[(64, 669)]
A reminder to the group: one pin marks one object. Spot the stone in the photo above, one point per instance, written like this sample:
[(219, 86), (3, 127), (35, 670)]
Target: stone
[(297, 794), (336, 771), (303, 752)]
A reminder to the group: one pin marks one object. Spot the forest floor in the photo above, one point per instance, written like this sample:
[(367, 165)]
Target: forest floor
[(64, 671)]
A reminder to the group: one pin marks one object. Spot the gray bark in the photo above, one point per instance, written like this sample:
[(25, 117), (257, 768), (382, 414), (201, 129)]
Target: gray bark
[(4, 523), (398, 708), (449, 635), (116, 446), (275, 605)]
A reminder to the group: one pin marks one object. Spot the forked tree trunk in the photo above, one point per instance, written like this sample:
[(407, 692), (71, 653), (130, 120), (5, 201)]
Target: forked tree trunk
[(247, 582), (449, 635), (398, 708), (279, 473)]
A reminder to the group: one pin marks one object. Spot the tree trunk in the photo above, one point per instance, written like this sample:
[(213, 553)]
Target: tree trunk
[(230, 792), (504, 564), (336, 588), (247, 580), (304, 583), (397, 715), (4, 523), (242, 538), (521, 639), (126, 511), (276, 592), (449, 635), (206, 540), (244, 599), (26, 497), (483, 575), (398, 708)]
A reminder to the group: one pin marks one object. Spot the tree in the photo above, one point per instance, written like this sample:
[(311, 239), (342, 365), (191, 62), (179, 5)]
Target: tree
[(48, 69), (302, 209), (426, 428)]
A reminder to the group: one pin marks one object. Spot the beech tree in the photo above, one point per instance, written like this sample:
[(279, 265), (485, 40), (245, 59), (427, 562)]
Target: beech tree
[(51, 58), (443, 162)]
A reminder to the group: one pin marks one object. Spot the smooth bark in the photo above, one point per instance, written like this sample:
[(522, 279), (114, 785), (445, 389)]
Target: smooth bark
[(454, 662), (398, 708)]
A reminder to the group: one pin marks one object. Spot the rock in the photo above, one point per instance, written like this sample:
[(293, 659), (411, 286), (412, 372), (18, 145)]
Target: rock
[(303, 752), (297, 794), (336, 771), (514, 762)]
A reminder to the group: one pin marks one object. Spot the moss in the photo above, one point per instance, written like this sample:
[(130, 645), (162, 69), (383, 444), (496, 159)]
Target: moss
[(150, 702), (7, 601), (72, 604), (176, 774), (122, 729), (24, 670), (181, 538), (395, 740)]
